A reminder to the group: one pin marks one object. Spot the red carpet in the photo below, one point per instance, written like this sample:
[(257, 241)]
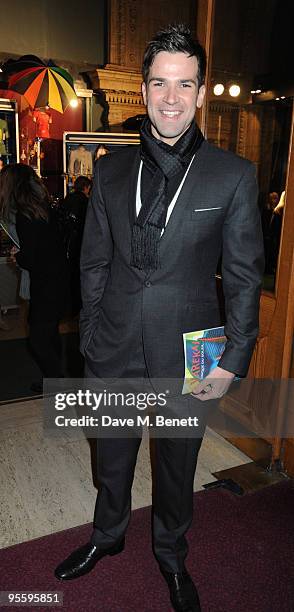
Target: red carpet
[(241, 557)]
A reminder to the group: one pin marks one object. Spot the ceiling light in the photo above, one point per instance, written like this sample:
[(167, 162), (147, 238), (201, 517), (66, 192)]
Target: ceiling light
[(234, 91), (218, 89)]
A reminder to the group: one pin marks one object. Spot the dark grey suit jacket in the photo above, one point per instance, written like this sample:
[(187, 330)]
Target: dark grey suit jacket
[(122, 306)]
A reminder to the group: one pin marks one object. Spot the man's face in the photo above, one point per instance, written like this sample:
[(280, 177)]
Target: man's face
[(171, 95)]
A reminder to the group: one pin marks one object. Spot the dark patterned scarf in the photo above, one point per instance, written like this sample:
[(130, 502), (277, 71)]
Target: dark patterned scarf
[(164, 162)]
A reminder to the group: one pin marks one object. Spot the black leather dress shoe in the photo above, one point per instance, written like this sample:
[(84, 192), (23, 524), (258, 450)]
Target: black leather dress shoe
[(182, 590), (82, 560)]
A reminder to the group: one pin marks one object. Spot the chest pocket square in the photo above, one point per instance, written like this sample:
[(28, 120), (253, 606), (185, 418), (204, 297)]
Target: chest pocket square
[(207, 215), (207, 209)]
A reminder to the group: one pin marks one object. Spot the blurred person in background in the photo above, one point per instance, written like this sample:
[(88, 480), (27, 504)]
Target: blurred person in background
[(272, 217), (74, 212), (24, 197), (100, 151)]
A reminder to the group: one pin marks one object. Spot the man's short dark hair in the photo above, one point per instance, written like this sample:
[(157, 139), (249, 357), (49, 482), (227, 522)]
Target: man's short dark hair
[(81, 183), (176, 38)]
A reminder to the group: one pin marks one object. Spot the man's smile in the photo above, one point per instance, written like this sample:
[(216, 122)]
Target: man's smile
[(170, 114)]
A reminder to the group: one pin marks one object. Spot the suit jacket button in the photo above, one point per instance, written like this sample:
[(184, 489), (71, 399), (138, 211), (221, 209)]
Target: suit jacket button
[(147, 283)]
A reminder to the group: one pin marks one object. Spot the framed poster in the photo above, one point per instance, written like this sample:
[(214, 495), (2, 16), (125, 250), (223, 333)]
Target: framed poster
[(81, 149), (9, 132)]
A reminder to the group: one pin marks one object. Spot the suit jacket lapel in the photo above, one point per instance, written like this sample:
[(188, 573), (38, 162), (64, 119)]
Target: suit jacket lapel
[(190, 184)]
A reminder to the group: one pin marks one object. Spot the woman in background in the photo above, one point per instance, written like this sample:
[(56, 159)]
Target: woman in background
[(23, 195), (99, 152)]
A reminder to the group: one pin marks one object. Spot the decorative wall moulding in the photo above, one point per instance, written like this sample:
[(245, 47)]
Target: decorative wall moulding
[(116, 79), (123, 97)]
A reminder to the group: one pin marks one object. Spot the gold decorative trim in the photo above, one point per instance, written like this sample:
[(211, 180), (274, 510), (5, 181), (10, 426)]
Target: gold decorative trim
[(123, 97)]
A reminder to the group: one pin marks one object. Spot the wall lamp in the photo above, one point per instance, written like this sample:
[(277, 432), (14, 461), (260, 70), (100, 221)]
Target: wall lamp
[(234, 89), (218, 89)]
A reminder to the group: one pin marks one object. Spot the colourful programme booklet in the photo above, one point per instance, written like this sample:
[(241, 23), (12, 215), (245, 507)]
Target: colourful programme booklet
[(203, 350)]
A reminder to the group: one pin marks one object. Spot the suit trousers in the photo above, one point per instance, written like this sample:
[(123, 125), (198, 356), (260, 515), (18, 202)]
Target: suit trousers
[(173, 476)]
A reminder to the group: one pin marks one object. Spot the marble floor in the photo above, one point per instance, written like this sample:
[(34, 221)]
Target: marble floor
[(46, 482)]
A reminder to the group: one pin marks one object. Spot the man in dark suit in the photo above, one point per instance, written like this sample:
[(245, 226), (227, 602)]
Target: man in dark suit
[(160, 216)]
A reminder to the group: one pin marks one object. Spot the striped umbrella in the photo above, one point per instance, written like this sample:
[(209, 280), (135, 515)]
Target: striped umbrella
[(41, 84)]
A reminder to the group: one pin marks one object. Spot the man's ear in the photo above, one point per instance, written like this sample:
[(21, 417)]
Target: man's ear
[(201, 96), (144, 93)]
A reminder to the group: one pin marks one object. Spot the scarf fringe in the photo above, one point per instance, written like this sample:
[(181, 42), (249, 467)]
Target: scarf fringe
[(145, 247)]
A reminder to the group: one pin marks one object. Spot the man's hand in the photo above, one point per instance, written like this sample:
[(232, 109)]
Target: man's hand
[(215, 385)]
